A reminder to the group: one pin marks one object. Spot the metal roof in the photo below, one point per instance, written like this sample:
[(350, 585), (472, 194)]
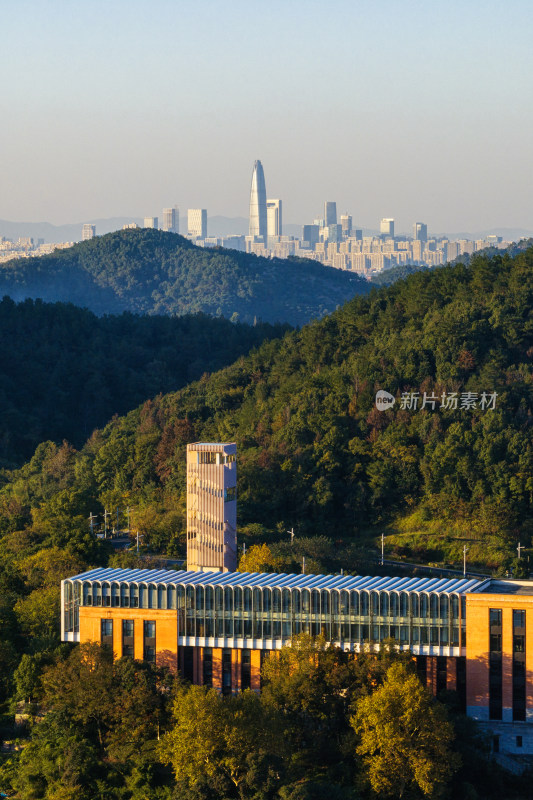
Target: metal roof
[(280, 580)]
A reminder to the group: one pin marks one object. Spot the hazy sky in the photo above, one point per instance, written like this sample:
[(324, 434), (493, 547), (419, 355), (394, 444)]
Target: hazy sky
[(413, 110)]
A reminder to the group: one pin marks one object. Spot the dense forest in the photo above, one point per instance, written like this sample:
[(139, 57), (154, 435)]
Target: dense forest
[(326, 726), (152, 272), (314, 451), (64, 371), (316, 454)]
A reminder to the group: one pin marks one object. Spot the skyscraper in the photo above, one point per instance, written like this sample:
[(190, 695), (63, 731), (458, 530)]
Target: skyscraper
[(346, 224), (330, 213), (151, 222), (274, 222), (197, 223), (88, 232), (420, 232), (258, 203), (212, 507), (171, 219), (386, 227)]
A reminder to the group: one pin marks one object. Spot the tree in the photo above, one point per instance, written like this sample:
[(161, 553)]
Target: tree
[(258, 558), (217, 738), (405, 737)]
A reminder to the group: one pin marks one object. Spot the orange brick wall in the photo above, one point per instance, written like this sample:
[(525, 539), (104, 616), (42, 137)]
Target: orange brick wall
[(166, 630), (477, 647)]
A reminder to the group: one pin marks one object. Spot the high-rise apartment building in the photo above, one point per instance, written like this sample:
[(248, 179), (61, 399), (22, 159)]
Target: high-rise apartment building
[(420, 232), (330, 213), (211, 507), (274, 221), (386, 227), (197, 223), (171, 220), (258, 203), (88, 232), (346, 225), (311, 234), (151, 222)]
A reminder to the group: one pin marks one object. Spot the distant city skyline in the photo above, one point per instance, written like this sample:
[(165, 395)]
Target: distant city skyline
[(407, 110)]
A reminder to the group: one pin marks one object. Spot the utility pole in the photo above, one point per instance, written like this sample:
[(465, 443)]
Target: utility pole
[(106, 515), (382, 549), (244, 548), (465, 550), (519, 549), (137, 541), (303, 565), (292, 535), (92, 517)]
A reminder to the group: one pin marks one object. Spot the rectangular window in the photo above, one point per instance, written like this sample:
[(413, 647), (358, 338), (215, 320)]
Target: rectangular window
[(106, 632), (230, 494), (519, 741), (149, 641), (127, 637), (246, 669), (226, 672), (519, 665), (208, 667), (495, 663)]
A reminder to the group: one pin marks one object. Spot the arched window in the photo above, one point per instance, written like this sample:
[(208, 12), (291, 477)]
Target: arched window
[(219, 599), (171, 597), (296, 601), (276, 600), (325, 601), (315, 602), (286, 601), (161, 596), (434, 606), (258, 601), (267, 599), (375, 603), (424, 611), (344, 602), (124, 595), (237, 598), (200, 598), (444, 606), (415, 605), (247, 599), (189, 594), (306, 601), (404, 604), (228, 599)]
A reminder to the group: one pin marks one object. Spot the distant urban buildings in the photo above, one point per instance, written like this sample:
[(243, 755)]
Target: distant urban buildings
[(274, 221), (171, 219), (88, 232), (420, 232), (197, 223), (330, 213), (258, 204), (386, 227), (151, 222)]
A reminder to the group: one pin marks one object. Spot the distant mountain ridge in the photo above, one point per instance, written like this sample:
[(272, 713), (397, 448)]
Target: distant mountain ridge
[(148, 271)]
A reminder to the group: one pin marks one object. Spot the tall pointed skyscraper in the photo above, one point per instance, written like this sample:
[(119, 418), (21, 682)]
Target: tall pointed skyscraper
[(258, 203)]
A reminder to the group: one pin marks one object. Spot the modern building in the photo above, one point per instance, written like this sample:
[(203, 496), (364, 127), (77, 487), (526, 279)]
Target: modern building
[(197, 223), (386, 227), (258, 203), (88, 232), (346, 225), (474, 637), (211, 507), (420, 232), (274, 218), (171, 219), (330, 213), (311, 234), (151, 222)]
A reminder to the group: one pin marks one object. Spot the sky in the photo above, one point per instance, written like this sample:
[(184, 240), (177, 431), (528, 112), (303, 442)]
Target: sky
[(420, 111)]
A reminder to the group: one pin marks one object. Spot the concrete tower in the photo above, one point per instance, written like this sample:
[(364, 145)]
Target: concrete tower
[(258, 203), (212, 507)]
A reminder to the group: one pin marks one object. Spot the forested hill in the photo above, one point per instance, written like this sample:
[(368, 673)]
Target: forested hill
[(153, 272), (314, 451), (65, 371)]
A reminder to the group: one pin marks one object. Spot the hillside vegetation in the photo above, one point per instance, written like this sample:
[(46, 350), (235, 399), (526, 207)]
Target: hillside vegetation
[(314, 451), (65, 371), (151, 272)]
